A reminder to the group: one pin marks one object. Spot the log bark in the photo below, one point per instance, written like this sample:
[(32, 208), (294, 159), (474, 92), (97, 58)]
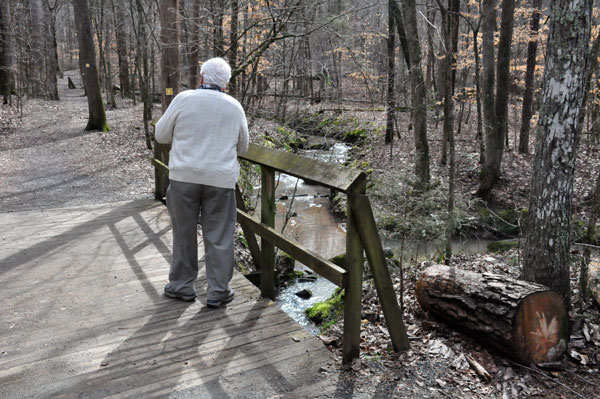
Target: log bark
[(526, 321)]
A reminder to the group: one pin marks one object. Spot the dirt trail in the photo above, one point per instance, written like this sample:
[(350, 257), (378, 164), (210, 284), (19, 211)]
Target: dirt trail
[(51, 161)]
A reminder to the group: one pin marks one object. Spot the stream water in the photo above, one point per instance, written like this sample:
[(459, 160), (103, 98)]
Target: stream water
[(313, 226)]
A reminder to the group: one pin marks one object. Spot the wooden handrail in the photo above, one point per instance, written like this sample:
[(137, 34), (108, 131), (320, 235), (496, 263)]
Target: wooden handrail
[(361, 233), (326, 174)]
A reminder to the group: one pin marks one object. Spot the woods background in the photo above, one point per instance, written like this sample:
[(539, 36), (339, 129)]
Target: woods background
[(455, 86)]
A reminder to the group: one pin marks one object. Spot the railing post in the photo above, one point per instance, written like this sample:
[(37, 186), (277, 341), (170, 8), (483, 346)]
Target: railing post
[(267, 217), (353, 291), (161, 178)]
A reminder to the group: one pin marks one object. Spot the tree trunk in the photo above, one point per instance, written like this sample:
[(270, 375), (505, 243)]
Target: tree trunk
[(5, 51), (448, 70), (217, 9), (488, 26), (479, 134), (503, 73), (548, 241), (526, 321), (233, 49), (194, 44), (87, 66), (399, 23), (121, 39), (170, 78), (37, 46), (498, 126), (50, 51), (527, 111), (418, 99), (108, 65), (391, 102)]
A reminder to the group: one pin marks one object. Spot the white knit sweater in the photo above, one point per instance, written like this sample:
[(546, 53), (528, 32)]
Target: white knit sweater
[(208, 129)]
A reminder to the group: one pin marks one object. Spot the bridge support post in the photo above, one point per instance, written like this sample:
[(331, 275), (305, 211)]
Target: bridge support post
[(267, 217), (353, 290)]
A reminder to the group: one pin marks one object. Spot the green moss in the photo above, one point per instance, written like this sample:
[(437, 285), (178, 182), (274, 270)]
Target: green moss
[(502, 246), (339, 260), (353, 136), (328, 312)]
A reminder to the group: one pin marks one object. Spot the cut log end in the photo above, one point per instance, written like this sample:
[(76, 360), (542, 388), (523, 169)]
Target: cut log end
[(541, 327), (527, 321)]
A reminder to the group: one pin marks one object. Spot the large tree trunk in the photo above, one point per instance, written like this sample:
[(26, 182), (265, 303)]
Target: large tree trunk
[(526, 321), (5, 51), (87, 66), (419, 105), (527, 110), (121, 39), (170, 79), (547, 244)]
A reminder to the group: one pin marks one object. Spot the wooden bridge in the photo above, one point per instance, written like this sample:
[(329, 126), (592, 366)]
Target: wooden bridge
[(83, 316), (84, 313)]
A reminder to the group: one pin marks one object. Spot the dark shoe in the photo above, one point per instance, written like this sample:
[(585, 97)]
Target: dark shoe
[(215, 303), (186, 298)]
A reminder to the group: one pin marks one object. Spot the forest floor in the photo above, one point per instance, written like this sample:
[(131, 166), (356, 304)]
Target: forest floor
[(48, 160)]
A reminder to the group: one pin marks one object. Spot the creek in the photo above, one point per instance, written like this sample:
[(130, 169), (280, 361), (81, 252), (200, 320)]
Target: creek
[(311, 223)]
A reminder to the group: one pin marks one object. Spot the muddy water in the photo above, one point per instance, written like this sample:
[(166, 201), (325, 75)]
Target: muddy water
[(312, 225)]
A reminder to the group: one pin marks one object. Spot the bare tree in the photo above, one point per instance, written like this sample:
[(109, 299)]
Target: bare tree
[(527, 109), (419, 106), (51, 64), (548, 241), (497, 127), (121, 39), (194, 44), (37, 49), (87, 66), (170, 77), (391, 59), (5, 52)]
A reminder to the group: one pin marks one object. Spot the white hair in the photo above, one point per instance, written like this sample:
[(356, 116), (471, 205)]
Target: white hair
[(216, 71)]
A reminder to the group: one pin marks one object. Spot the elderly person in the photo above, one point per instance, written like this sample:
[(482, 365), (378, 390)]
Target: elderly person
[(207, 129)]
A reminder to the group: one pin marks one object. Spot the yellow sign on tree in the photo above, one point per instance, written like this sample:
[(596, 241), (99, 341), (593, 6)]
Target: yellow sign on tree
[(169, 91)]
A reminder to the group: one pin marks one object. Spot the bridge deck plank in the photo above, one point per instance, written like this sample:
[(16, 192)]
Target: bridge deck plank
[(84, 316)]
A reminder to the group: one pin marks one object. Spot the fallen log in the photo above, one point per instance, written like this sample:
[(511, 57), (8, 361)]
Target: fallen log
[(593, 280), (526, 321)]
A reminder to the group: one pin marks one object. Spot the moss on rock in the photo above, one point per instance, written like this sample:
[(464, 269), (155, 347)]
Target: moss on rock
[(327, 312)]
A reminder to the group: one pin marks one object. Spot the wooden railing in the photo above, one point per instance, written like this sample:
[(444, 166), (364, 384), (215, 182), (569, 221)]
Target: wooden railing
[(361, 233)]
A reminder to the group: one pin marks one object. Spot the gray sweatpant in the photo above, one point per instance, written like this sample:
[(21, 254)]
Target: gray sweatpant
[(217, 216)]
